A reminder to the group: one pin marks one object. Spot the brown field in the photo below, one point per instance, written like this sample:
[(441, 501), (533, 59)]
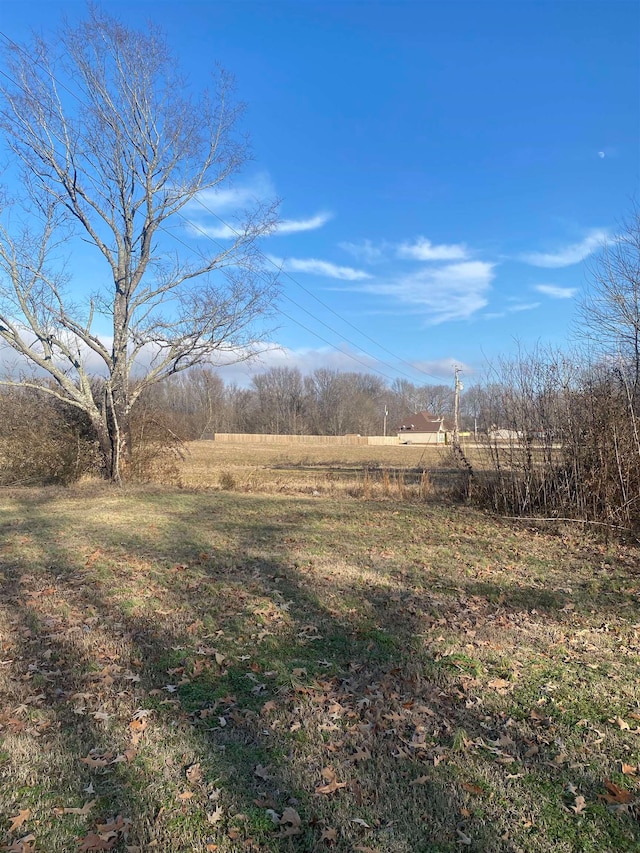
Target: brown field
[(328, 470), (261, 668)]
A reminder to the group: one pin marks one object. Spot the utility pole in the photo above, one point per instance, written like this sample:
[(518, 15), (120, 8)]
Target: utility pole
[(457, 388)]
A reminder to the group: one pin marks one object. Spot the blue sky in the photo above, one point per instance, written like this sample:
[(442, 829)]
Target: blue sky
[(445, 168)]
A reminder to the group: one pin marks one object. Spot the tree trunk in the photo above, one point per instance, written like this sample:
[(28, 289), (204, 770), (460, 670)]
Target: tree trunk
[(112, 428)]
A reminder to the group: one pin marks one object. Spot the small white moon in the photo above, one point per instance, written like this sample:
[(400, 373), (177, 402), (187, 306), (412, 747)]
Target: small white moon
[(601, 155)]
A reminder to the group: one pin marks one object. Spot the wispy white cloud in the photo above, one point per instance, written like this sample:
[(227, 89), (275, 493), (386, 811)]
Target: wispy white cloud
[(424, 250), (233, 198), (221, 231), (293, 226), (569, 255), (213, 232), (451, 292), (555, 291), (522, 306), (511, 309), (230, 203), (366, 252), (318, 267)]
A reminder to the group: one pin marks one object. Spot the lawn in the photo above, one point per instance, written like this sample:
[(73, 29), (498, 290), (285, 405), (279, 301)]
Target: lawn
[(237, 670)]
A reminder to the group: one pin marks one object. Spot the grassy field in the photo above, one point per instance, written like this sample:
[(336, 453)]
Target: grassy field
[(329, 470), (245, 670)]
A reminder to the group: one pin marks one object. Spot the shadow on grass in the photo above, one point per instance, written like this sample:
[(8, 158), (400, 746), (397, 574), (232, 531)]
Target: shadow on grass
[(249, 673)]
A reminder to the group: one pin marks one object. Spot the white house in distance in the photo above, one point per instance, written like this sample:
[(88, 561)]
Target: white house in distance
[(424, 428)]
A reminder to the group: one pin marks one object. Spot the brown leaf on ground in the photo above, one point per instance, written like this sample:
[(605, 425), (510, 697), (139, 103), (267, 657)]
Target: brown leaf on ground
[(22, 845), (95, 761), (580, 805), (291, 816), (472, 789), (622, 724), (185, 795), (194, 773), (262, 772), (86, 808), (329, 835), (17, 821), (291, 821), (629, 769), (421, 780), (216, 815), (362, 754), (137, 728), (93, 841), (126, 757), (116, 824), (329, 775), (500, 684), (615, 794)]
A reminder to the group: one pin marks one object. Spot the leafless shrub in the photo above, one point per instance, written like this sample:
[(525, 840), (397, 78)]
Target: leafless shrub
[(567, 445), (227, 481), (426, 485), (155, 448), (42, 441)]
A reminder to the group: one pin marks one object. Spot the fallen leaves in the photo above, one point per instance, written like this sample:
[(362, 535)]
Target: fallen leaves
[(22, 845), (623, 725), (19, 819), (184, 796), (579, 805), (291, 822), (501, 685), (106, 835), (195, 774), (216, 815), (262, 772), (329, 835), (331, 783), (84, 810), (138, 725), (96, 761), (615, 795)]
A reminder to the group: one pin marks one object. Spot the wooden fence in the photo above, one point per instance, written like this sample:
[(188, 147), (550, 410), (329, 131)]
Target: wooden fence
[(264, 438)]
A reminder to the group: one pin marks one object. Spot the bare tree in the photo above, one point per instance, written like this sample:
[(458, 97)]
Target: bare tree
[(280, 399), (110, 148), (610, 312)]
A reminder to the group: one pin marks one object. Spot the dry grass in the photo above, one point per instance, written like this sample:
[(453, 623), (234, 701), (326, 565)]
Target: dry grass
[(464, 683), (326, 470)]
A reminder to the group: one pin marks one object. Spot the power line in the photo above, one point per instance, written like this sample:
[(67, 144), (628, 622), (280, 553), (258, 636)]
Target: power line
[(306, 311), (317, 298), (297, 322)]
